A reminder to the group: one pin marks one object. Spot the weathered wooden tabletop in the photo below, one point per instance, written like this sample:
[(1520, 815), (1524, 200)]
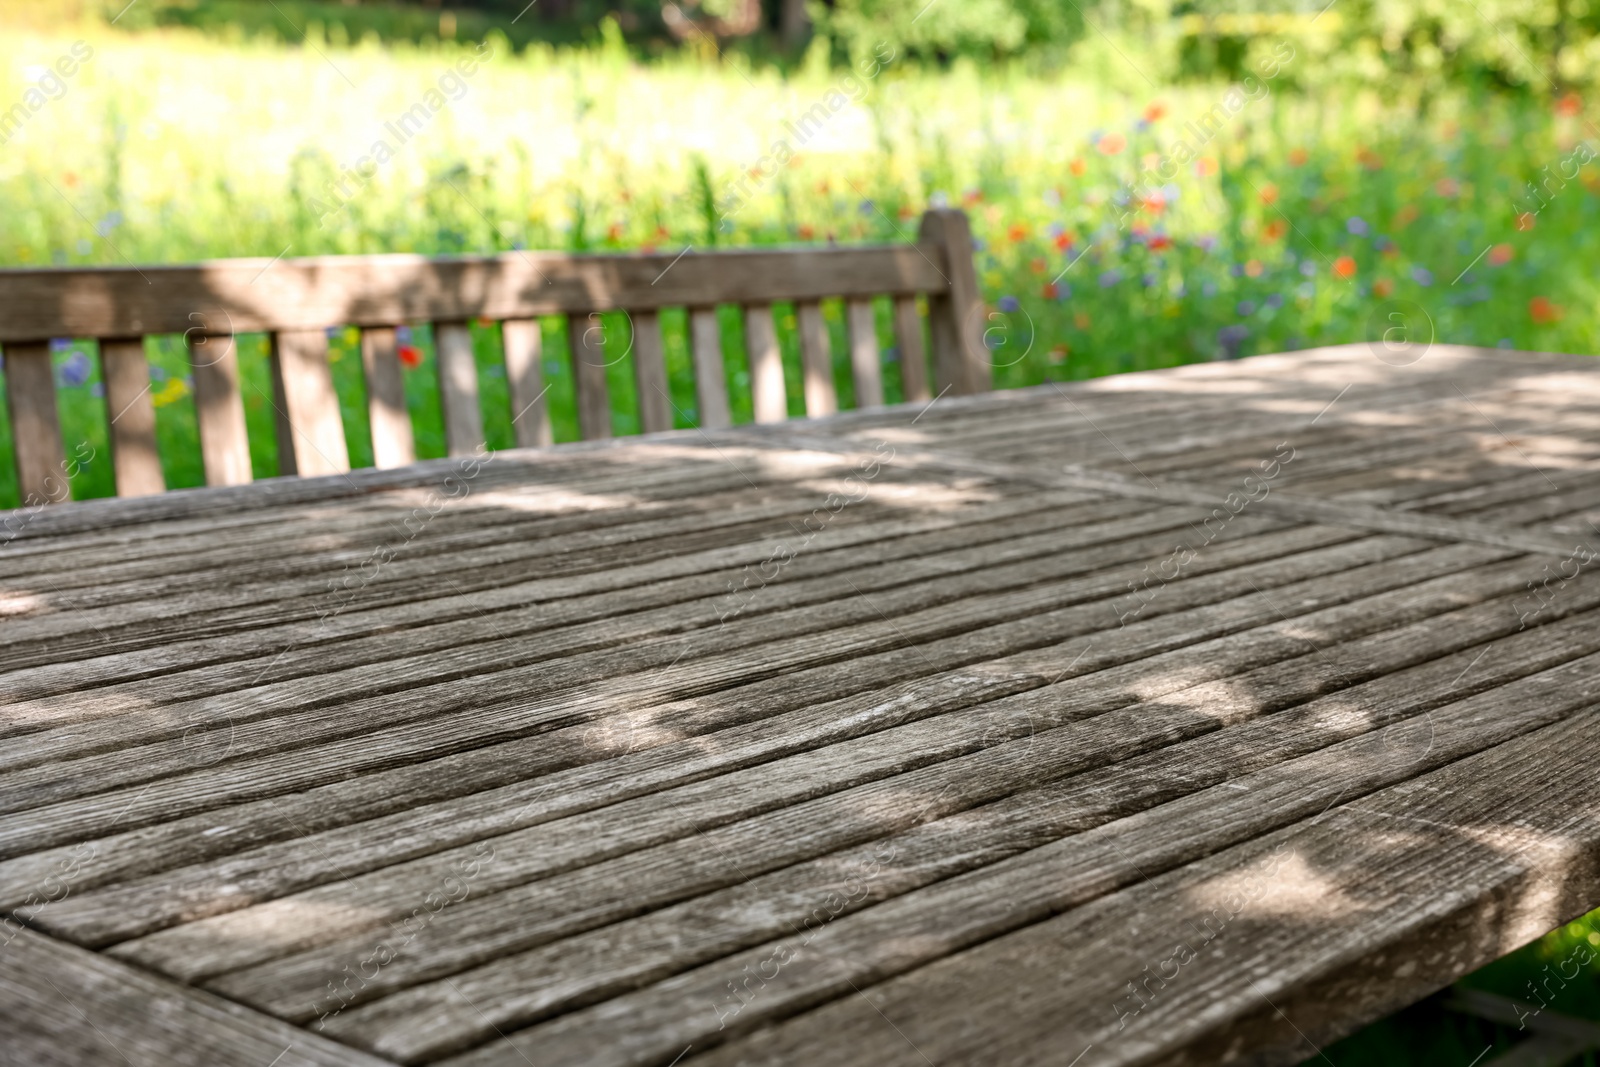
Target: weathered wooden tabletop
[(1156, 719)]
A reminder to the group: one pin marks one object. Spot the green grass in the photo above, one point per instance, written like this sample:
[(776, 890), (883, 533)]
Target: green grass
[(1304, 220)]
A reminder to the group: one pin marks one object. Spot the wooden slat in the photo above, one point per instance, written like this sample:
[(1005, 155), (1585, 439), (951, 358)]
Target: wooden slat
[(523, 341), (767, 392), (458, 388), (387, 414), (816, 360), (35, 425), (955, 308), (710, 379), (864, 366), (650, 373), (61, 1006), (389, 290), (586, 339), (913, 354), (131, 415), (219, 409), (304, 380)]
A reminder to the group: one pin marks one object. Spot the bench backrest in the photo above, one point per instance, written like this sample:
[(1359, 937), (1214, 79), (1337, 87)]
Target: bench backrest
[(296, 301)]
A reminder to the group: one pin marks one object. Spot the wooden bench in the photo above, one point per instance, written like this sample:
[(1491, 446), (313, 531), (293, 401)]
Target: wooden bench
[(296, 301)]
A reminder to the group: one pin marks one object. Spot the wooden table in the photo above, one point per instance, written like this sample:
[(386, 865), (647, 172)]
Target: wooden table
[(1157, 719)]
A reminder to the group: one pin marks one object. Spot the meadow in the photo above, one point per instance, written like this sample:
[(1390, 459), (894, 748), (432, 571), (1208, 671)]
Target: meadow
[(1116, 230)]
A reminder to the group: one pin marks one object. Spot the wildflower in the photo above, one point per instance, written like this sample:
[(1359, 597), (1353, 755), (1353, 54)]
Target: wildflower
[(1077, 167), (1269, 193), (1525, 221), (1275, 301), (1406, 215), (1148, 280), (972, 196), (411, 356), (807, 231), (1050, 291), (1155, 112), (1205, 166), (867, 207), (1160, 243), (1037, 265), (1369, 159), (1081, 321), (1500, 255), (1253, 268), (1274, 230), (1246, 308), (1382, 243), (1059, 353), (1344, 267), (906, 211), (1422, 276), (1009, 303), (1543, 312), (1357, 225), (1063, 241), (1112, 144), (1569, 105), (75, 371), (1017, 232), (1298, 157), (1308, 268), (1382, 288), (1110, 278)]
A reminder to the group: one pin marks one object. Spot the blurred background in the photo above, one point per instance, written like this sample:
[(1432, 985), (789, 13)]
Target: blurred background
[(1151, 182)]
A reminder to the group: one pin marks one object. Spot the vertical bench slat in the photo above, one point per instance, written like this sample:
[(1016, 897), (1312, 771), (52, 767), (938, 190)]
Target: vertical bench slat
[(458, 388), (816, 360), (650, 373), (955, 316), (767, 392), (387, 417), (131, 414), (710, 381), (219, 409), (35, 425), (523, 342), (864, 366), (586, 339), (913, 356), (314, 433)]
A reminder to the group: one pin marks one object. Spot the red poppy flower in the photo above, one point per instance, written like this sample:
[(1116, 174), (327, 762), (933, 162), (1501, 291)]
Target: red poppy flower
[(1344, 267), (1543, 312), (1500, 255), (411, 356)]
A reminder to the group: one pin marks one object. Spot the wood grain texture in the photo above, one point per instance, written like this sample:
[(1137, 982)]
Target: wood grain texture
[(865, 369), (313, 425), (586, 340), (650, 373), (458, 388), (912, 351), (131, 416), (219, 409), (388, 417), (816, 361), (522, 340), (955, 308), (391, 290), (64, 1007), (768, 395), (710, 375), (35, 425), (941, 699)]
